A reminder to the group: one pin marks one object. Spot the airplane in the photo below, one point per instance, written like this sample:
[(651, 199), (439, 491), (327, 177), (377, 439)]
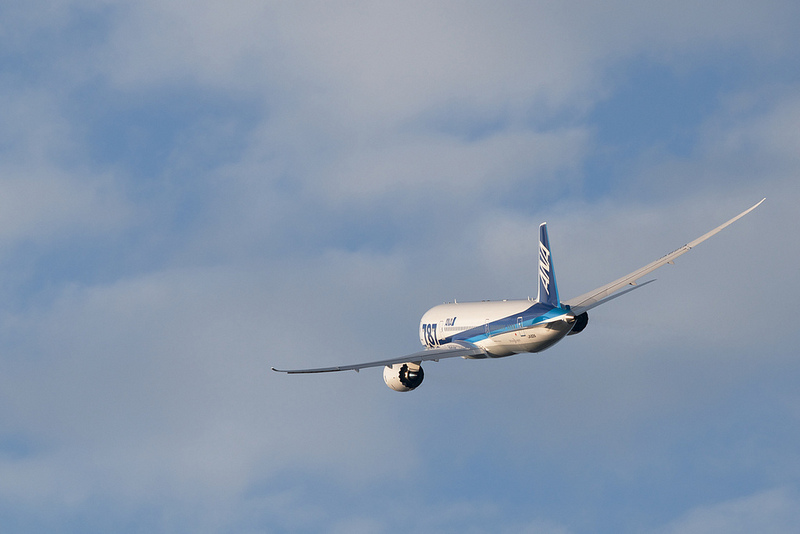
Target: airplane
[(496, 329)]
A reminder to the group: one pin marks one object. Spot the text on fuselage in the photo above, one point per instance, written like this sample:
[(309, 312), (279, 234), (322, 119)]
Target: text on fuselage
[(429, 337)]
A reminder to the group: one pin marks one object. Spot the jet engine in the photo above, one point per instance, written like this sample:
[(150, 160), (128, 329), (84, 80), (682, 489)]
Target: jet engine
[(580, 323), (403, 376)]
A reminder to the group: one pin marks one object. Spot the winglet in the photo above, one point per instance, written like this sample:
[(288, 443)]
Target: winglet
[(705, 236), (548, 289)]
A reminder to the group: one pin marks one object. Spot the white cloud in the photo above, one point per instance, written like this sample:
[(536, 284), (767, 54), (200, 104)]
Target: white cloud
[(160, 385), (151, 388), (389, 60), (47, 189), (433, 168), (775, 511)]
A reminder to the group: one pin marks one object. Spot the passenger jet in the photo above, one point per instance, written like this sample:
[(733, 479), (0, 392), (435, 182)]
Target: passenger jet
[(495, 329)]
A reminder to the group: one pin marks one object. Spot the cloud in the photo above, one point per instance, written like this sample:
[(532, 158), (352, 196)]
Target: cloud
[(213, 190), (46, 190), (772, 511)]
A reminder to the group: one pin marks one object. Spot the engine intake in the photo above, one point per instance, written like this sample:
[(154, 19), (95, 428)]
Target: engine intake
[(403, 376)]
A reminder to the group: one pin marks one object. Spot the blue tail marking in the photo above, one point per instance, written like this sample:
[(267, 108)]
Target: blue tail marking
[(548, 290)]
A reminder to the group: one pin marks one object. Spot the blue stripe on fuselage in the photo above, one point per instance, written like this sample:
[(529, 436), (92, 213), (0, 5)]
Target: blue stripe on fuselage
[(537, 313)]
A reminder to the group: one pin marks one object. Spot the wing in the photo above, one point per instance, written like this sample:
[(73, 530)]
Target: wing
[(605, 293), (450, 350)]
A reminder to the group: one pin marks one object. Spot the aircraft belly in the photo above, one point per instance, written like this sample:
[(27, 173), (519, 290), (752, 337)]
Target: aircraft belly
[(496, 348), (533, 339), (541, 337)]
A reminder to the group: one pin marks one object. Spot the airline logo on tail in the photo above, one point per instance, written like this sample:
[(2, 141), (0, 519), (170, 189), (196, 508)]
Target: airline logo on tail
[(548, 292), (544, 268)]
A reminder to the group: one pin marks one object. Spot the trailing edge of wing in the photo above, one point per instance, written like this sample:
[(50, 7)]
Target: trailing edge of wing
[(578, 310), (603, 294), (451, 350)]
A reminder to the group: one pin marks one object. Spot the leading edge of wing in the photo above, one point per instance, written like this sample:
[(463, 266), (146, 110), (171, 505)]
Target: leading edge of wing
[(450, 350), (600, 295)]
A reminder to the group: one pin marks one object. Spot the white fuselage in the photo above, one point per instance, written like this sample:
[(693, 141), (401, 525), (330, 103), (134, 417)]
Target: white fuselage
[(501, 328)]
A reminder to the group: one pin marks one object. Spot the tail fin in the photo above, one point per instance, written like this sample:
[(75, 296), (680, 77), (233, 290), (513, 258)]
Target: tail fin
[(548, 290)]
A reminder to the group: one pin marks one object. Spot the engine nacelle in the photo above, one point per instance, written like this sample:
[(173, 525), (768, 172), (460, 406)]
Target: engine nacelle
[(580, 323), (403, 376)]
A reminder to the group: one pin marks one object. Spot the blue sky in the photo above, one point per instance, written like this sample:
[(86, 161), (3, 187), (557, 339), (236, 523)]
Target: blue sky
[(193, 192)]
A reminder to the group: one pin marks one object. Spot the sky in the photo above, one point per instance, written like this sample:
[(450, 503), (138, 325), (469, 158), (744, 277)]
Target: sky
[(193, 192)]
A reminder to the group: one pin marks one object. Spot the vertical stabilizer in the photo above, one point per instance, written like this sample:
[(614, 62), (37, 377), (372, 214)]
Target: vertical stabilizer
[(548, 290)]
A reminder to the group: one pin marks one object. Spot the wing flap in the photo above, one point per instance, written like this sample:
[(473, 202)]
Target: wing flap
[(450, 350)]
